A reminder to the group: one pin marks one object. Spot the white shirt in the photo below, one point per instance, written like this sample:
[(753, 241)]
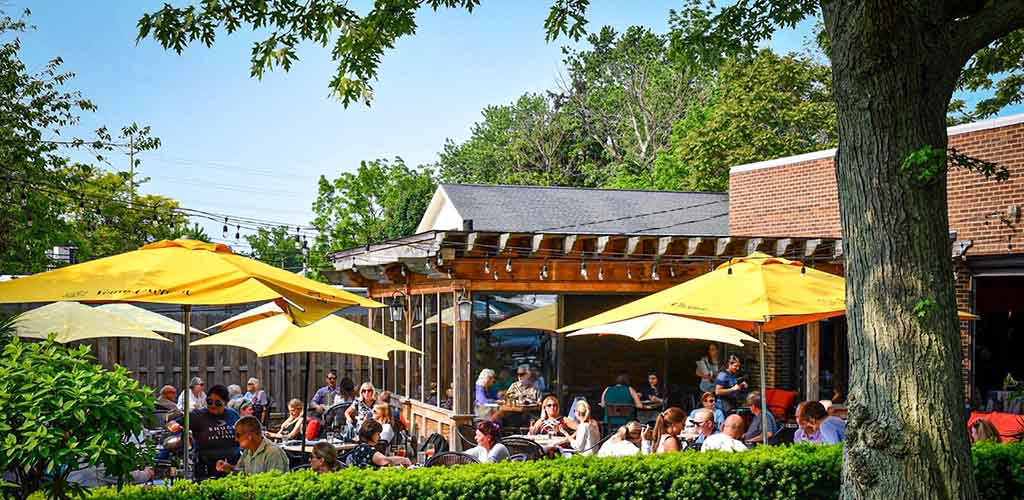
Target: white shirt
[(386, 432), (586, 438), (613, 448), (498, 453), (194, 402), (722, 442)]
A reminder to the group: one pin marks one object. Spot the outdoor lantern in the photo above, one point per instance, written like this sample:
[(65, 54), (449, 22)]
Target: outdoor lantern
[(397, 308), (465, 308)]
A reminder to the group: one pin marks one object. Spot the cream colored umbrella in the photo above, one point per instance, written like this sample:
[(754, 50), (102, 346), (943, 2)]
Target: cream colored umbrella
[(667, 326), (150, 320), (71, 321), (542, 318)]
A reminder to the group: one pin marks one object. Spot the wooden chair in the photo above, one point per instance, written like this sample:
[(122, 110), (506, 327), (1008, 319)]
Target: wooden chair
[(450, 458), (523, 446)]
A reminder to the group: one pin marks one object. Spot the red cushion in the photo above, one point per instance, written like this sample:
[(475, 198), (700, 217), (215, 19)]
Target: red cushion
[(1006, 423), (779, 402), (312, 429)]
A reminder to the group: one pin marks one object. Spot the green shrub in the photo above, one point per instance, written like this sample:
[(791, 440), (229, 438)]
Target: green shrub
[(999, 470), (60, 410)]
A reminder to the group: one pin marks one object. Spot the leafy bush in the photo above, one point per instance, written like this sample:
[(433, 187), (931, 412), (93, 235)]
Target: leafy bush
[(805, 472), (59, 411)]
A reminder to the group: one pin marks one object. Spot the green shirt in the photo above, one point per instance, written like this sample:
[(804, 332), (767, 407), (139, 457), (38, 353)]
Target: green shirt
[(266, 458)]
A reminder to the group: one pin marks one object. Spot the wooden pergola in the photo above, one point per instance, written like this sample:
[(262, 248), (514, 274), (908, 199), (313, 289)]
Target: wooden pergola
[(426, 275)]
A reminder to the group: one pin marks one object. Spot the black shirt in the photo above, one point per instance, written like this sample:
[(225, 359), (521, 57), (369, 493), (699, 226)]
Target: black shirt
[(648, 392), (361, 456), (214, 439)]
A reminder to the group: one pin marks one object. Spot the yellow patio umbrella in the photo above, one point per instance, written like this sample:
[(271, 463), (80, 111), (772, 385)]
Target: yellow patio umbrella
[(275, 334), (150, 320), (542, 318), (667, 326), (185, 272), (71, 321), (265, 311)]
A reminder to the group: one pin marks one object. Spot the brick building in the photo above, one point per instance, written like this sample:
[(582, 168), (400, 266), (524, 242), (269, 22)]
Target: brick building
[(796, 197)]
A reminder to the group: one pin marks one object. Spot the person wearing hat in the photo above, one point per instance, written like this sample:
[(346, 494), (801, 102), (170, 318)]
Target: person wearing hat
[(522, 392), (196, 400)]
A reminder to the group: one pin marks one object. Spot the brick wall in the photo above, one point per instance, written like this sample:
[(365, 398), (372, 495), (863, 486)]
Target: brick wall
[(800, 198)]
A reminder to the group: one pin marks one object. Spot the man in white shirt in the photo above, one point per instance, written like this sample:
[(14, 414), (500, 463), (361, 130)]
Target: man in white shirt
[(728, 439), (197, 398)]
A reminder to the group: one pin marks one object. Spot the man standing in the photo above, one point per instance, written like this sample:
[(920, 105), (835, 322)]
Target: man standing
[(728, 439), (727, 387), (325, 396), (522, 391), (258, 454), (213, 431), (197, 398), (753, 434)]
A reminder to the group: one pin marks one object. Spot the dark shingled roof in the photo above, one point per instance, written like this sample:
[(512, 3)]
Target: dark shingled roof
[(536, 209)]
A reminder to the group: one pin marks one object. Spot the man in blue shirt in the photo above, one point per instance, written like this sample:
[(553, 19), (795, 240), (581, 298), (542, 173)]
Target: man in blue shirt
[(325, 396), (727, 388)]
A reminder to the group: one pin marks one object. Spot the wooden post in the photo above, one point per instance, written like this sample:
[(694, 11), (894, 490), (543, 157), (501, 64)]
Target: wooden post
[(812, 353), (407, 314), (460, 370)]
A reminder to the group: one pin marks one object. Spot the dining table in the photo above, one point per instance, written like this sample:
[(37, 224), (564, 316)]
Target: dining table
[(544, 440), (341, 446)]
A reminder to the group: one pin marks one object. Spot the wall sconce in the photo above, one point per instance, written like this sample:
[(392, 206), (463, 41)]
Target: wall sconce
[(465, 307)]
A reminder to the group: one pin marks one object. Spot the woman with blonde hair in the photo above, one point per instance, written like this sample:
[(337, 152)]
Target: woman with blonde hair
[(382, 414), (982, 430), (666, 430), (588, 433), (625, 442), (551, 420), (292, 426)]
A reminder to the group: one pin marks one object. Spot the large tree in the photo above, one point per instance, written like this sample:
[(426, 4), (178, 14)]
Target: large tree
[(895, 67)]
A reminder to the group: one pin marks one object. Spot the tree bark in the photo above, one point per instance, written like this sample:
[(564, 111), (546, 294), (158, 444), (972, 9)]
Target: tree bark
[(895, 67)]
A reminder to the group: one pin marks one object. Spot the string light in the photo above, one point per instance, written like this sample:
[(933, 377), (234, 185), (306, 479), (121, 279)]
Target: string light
[(671, 271), (654, 272), (583, 269), (237, 232), (225, 229), (544, 270), (451, 275), (508, 265), (487, 265), (600, 272), (629, 272), (495, 274)]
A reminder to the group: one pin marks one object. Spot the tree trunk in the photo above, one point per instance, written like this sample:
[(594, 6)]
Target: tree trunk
[(893, 77)]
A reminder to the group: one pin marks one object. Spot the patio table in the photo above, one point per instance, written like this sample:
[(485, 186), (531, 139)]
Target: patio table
[(338, 445), (545, 442)]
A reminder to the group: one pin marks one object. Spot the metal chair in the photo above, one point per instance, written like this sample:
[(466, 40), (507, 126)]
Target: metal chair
[(595, 448), (523, 446), (518, 457), (300, 467), (467, 435), (450, 458)]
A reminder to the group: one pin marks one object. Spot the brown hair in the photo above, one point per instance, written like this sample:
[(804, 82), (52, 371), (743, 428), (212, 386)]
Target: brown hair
[(327, 452), (985, 430), (673, 415), (812, 409)]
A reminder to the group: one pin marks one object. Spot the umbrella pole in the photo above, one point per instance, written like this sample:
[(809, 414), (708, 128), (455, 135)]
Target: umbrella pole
[(186, 371), (764, 398), (305, 402), (664, 376)]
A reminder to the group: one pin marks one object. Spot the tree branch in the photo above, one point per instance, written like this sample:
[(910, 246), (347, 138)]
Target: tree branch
[(995, 20)]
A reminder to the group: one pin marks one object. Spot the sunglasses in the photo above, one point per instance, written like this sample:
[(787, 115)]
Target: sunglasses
[(214, 402), (364, 391), (709, 400), (551, 405)]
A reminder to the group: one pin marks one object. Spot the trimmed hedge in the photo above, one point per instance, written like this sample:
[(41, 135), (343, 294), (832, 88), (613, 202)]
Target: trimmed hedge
[(807, 472)]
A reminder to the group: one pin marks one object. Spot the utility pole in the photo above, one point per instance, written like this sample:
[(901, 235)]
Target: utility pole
[(131, 170)]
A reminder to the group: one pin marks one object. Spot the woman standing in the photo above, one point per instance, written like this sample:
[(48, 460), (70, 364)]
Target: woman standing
[(551, 420), (588, 433), (666, 430), (292, 426), (707, 369)]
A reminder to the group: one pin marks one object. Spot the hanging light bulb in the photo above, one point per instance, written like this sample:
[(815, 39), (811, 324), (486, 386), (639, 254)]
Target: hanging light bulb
[(225, 229), (487, 265), (237, 231), (440, 260), (495, 274), (672, 271), (544, 270), (401, 269), (583, 270), (451, 275), (654, 273), (600, 272), (508, 265), (305, 244), (629, 272)]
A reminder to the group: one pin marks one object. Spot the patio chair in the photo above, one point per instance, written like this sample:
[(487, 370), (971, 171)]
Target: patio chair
[(436, 440), (300, 467), (466, 435), (594, 449), (523, 446), (518, 457), (450, 458)]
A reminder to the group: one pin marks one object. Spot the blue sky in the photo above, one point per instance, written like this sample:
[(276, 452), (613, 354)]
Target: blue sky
[(253, 148)]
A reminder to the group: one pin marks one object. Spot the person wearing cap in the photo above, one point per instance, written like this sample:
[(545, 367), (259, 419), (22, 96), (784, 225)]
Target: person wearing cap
[(197, 398), (522, 391)]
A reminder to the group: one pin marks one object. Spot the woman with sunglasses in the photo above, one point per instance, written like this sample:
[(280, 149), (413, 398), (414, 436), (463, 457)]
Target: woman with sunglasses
[(291, 428), (213, 432), (551, 420), (707, 400)]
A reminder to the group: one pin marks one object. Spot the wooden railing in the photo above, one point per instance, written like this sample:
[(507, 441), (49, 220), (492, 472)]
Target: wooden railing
[(425, 420)]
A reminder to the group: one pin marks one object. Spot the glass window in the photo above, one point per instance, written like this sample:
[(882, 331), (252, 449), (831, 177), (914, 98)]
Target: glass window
[(446, 360)]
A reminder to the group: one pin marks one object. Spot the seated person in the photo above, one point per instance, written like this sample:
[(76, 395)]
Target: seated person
[(551, 420), (488, 448), (728, 439), (753, 433), (366, 455), (699, 426), (362, 408), (588, 431), (291, 428), (522, 392), (485, 393), (652, 393), (667, 428), (246, 409), (237, 398), (816, 427), (167, 402), (728, 385), (382, 414), (213, 431), (707, 400), (620, 394), (625, 442), (323, 458), (258, 454), (984, 431), (398, 423)]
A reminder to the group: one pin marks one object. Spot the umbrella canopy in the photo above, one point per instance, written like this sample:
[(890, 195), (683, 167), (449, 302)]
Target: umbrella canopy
[(667, 326), (150, 320), (265, 311), (754, 291), (71, 321), (277, 335), (182, 272), (542, 318)]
